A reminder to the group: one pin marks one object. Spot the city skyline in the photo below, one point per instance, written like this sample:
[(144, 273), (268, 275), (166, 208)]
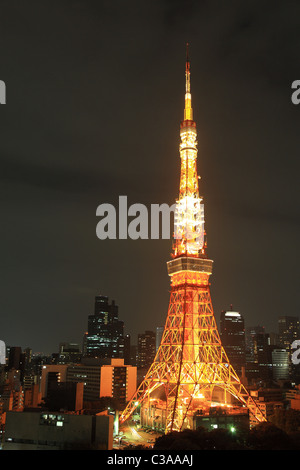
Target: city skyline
[(95, 115)]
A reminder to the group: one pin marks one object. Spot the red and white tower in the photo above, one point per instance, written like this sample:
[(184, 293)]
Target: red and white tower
[(191, 366)]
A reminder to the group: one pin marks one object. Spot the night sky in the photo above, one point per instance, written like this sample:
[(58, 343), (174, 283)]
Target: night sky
[(95, 96)]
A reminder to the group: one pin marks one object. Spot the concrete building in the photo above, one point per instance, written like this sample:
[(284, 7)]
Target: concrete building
[(146, 349), (293, 397), (118, 381), (288, 327), (103, 377), (105, 330), (69, 353), (52, 373), (280, 364), (90, 376), (232, 332), (158, 336), (268, 399), (154, 416), (57, 431), (32, 396)]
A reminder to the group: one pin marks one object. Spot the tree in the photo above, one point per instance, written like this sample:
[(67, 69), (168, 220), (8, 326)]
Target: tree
[(267, 436), (287, 420), (200, 439)]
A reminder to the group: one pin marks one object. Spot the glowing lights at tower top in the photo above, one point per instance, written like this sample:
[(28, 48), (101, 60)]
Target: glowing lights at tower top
[(188, 110), (189, 213)]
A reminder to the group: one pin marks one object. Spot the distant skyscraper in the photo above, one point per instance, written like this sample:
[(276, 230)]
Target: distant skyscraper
[(16, 360), (105, 330), (280, 364), (288, 329), (124, 349), (263, 355), (251, 334), (232, 332), (146, 349), (288, 332), (15, 357), (159, 333), (133, 354), (258, 354), (69, 352), (84, 343)]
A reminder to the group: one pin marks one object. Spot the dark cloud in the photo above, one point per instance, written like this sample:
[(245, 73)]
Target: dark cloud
[(94, 101)]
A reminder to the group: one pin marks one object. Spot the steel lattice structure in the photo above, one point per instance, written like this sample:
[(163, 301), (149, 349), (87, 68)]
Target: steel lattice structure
[(191, 363)]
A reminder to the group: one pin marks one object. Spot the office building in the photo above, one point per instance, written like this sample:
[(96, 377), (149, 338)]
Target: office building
[(133, 354), (251, 342), (118, 381), (288, 331), (102, 377), (104, 338), (52, 374), (280, 364), (58, 431), (232, 332), (66, 396), (159, 333), (146, 349), (32, 396), (69, 353)]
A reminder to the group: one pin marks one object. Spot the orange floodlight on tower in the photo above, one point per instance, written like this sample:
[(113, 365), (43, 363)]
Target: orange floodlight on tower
[(191, 364)]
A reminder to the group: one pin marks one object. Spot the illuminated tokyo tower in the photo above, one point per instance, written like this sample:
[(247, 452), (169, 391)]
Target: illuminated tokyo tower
[(191, 366)]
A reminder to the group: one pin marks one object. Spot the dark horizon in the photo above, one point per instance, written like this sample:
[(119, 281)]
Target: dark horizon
[(95, 96)]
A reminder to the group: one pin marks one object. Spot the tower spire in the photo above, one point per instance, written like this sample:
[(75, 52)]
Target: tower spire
[(188, 111), (189, 213), (187, 70)]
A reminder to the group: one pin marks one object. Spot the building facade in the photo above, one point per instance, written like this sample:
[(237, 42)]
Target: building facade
[(146, 349), (57, 431), (105, 331), (232, 333), (118, 381), (288, 330)]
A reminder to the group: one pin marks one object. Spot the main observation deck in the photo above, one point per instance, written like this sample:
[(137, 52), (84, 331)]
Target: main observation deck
[(189, 263)]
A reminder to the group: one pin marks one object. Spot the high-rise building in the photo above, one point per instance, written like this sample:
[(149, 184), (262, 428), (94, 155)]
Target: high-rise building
[(99, 377), (15, 358), (89, 374), (118, 380), (280, 364), (52, 374), (32, 396), (146, 349), (68, 353), (263, 353), (66, 396), (258, 354), (232, 333), (159, 333), (127, 349), (105, 330), (288, 330), (251, 334), (133, 354)]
